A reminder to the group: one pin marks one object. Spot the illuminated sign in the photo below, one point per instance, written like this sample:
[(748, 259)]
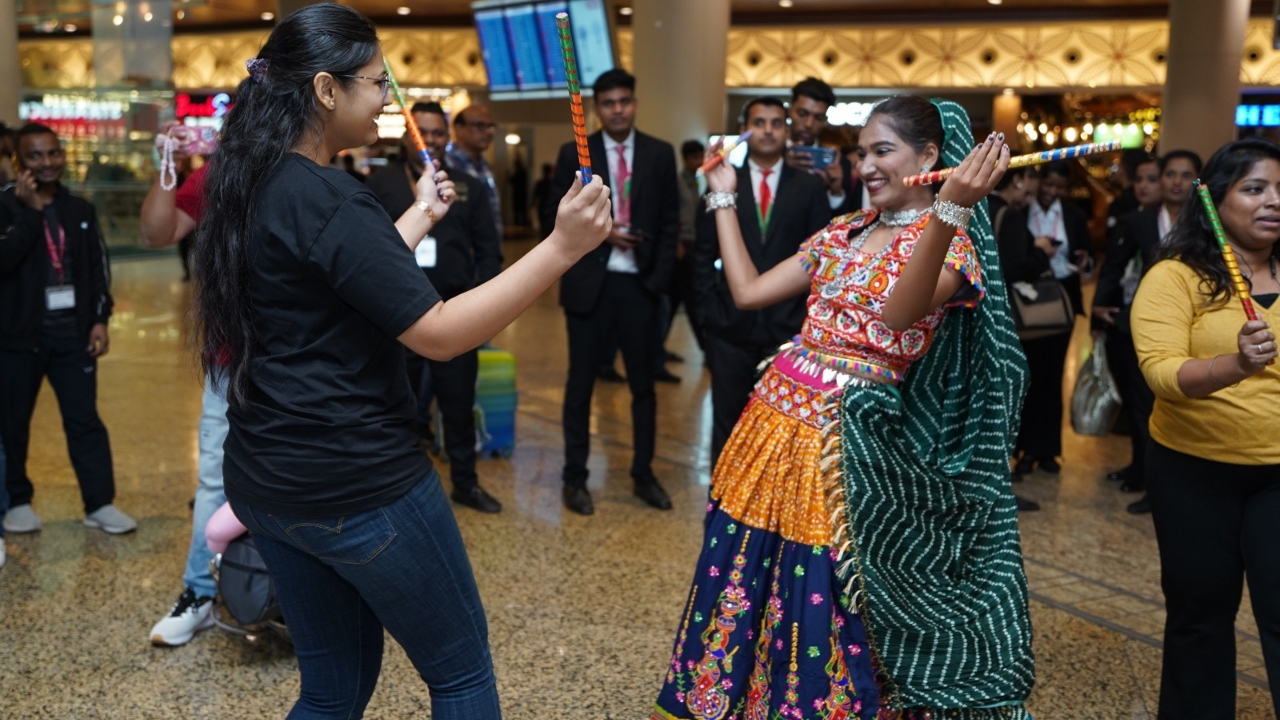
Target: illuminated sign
[(1258, 116), (186, 105)]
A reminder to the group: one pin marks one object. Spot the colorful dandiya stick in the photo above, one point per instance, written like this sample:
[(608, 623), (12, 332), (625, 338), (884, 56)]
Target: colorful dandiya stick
[(1228, 256), (575, 95), (408, 116), (721, 154), (1065, 153)]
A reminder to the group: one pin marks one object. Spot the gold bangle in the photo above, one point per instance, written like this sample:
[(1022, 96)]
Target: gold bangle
[(425, 207), (1211, 362)]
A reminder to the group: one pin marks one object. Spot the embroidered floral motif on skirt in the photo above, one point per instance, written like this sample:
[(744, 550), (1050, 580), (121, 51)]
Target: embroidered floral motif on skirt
[(766, 633)]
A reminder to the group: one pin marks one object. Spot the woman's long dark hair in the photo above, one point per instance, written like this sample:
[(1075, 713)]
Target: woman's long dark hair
[(1191, 239), (275, 109)]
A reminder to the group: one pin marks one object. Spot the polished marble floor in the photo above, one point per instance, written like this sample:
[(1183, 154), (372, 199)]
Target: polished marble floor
[(582, 611)]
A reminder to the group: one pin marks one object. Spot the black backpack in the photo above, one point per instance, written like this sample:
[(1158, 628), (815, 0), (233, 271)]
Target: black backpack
[(245, 590)]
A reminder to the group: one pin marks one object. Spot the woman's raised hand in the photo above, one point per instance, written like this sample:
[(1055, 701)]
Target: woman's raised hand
[(978, 174), (437, 190), (585, 216), (722, 177)]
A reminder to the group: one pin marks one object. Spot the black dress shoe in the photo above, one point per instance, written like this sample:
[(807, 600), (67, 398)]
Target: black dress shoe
[(1025, 504), (610, 375), (1124, 473), (1140, 507), (1050, 465), (653, 494), (666, 376), (1133, 485), (1024, 466), (476, 498), (577, 499)]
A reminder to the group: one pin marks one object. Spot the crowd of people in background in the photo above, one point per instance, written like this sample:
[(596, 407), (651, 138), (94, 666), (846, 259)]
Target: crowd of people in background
[(781, 259)]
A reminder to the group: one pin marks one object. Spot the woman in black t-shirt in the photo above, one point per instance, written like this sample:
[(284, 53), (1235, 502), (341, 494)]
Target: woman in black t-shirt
[(305, 287)]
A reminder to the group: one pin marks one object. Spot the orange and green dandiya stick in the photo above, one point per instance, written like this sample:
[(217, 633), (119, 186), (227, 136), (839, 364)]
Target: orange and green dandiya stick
[(1228, 256), (1020, 161), (408, 117), (575, 96)]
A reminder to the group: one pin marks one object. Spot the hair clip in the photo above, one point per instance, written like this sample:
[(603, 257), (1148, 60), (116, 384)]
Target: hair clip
[(257, 68)]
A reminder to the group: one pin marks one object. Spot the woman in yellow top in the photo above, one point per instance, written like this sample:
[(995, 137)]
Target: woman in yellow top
[(1214, 463)]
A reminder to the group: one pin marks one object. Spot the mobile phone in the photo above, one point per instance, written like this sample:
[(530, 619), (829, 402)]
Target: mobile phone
[(821, 156), (201, 140), (1055, 242)]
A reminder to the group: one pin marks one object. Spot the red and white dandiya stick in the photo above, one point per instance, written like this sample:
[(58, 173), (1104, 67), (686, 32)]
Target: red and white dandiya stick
[(1065, 153)]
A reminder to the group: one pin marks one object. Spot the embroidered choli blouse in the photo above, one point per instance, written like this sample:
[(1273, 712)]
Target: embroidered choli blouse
[(845, 330)]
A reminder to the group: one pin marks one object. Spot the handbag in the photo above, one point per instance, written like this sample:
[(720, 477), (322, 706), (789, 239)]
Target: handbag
[(1041, 308), (1095, 401)]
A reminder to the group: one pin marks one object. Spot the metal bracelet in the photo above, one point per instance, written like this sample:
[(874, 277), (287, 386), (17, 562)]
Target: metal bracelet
[(717, 200), (951, 213), (425, 207)]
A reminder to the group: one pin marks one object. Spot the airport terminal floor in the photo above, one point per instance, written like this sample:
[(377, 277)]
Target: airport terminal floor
[(582, 610)]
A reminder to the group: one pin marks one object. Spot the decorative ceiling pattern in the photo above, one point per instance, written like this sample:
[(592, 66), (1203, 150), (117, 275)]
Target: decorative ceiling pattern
[(1127, 55)]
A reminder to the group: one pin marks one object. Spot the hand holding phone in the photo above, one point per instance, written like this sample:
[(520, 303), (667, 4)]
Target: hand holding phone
[(820, 157)]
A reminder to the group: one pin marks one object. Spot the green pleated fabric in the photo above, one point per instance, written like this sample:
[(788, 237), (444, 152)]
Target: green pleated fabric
[(937, 563)]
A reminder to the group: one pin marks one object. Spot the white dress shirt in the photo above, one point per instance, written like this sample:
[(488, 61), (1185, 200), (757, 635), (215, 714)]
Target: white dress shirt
[(1049, 223), (620, 260)]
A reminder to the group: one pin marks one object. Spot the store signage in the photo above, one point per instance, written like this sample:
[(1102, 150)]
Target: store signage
[(68, 107), (1258, 116), (186, 105)]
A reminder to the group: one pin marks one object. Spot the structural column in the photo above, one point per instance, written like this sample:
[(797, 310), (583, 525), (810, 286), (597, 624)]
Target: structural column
[(10, 69), (679, 64), (1206, 47)]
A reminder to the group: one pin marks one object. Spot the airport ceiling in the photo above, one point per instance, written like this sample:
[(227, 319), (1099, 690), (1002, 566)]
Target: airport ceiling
[(38, 17)]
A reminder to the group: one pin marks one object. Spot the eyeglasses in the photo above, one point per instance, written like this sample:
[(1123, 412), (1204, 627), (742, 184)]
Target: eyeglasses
[(383, 80)]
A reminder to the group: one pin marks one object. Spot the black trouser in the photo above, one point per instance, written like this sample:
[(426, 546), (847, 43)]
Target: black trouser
[(1041, 433), (74, 377), (733, 378), (627, 307), (454, 384), (1216, 525), (682, 294), (1134, 392)]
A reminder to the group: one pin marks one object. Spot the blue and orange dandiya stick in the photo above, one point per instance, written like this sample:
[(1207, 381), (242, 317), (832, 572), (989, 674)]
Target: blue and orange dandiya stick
[(1228, 256), (721, 154), (1021, 161), (408, 117), (575, 95)]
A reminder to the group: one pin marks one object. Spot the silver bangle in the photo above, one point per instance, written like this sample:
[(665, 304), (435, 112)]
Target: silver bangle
[(717, 200), (951, 213)]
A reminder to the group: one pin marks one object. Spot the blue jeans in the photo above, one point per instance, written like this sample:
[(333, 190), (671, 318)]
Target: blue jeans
[(341, 580), (209, 494)]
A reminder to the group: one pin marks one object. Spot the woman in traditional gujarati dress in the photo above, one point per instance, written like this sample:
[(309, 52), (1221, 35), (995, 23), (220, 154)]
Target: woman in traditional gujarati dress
[(861, 557)]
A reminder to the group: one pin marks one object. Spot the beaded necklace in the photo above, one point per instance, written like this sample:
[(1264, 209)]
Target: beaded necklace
[(842, 278)]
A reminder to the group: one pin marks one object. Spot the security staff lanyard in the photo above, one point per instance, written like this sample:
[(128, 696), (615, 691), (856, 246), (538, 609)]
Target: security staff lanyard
[(56, 254)]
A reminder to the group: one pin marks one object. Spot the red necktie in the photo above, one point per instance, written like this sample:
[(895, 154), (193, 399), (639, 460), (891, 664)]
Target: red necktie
[(766, 197), (623, 186)]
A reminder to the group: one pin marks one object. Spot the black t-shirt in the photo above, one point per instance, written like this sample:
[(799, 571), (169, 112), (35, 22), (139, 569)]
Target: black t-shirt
[(59, 323), (328, 427)]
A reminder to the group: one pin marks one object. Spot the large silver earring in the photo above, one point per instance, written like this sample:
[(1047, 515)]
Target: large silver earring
[(925, 169)]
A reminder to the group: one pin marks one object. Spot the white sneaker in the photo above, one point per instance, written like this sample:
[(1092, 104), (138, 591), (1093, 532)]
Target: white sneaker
[(110, 520), (21, 519), (190, 615), (1, 552)]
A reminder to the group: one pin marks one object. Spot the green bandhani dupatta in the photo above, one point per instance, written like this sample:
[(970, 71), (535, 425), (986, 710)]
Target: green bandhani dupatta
[(935, 564)]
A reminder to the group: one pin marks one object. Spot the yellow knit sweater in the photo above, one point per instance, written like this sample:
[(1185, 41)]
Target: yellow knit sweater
[(1171, 325)]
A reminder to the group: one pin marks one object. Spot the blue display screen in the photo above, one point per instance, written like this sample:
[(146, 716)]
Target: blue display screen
[(521, 44), (496, 49), (550, 38), (526, 48)]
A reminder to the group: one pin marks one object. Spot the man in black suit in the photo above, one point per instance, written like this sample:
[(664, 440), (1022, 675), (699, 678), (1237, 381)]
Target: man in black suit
[(779, 207), (462, 251), (807, 115), (1129, 255), (616, 288)]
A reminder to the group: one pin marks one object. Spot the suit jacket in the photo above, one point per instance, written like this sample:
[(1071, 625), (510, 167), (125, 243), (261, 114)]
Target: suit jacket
[(1078, 240), (655, 213), (469, 251), (1020, 259), (1140, 235), (799, 210)]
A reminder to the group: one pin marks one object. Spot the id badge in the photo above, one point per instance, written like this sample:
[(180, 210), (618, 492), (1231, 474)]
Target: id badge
[(425, 254), (60, 297)]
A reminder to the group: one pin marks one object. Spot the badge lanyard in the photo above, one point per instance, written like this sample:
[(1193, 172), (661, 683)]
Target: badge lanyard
[(56, 254)]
